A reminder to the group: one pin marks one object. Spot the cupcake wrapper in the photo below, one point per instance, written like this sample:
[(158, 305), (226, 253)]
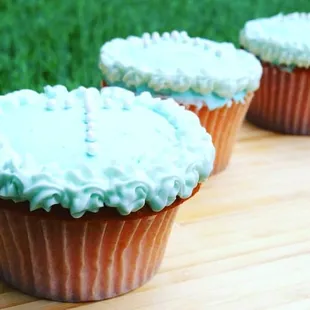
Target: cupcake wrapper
[(223, 125), (79, 260), (103, 84), (282, 103)]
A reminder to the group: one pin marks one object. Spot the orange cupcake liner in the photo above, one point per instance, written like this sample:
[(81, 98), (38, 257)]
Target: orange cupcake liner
[(99, 256), (223, 125), (103, 83), (282, 103)]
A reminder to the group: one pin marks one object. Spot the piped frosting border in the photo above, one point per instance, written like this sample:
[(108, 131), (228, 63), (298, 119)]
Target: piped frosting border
[(225, 82), (286, 49), (126, 188)]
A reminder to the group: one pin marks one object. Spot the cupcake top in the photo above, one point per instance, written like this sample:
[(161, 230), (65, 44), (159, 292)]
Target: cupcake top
[(86, 149), (175, 63), (280, 39)]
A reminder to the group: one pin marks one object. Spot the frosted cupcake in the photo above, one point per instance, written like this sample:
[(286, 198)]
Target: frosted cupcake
[(214, 80), (90, 184), (282, 43)]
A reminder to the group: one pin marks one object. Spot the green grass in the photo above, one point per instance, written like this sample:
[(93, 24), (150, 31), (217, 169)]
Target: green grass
[(57, 41)]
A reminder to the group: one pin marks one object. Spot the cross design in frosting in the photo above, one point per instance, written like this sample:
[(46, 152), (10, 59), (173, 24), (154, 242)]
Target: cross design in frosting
[(90, 138)]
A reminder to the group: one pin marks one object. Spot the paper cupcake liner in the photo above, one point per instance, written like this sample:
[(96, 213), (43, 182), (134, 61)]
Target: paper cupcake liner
[(92, 258), (81, 262), (103, 84), (282, 103), (223, 125)]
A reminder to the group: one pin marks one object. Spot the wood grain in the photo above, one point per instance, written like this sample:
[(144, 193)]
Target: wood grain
[(242, 243)]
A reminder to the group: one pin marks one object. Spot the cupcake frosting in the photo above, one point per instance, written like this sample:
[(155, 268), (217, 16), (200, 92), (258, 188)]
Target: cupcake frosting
[(280, 39), (85, 149), (178, 64)]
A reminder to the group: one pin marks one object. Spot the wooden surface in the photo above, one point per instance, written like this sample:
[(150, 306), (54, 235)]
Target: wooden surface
[(242, 243)]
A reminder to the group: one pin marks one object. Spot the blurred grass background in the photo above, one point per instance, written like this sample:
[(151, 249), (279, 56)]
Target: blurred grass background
[(58, 41)]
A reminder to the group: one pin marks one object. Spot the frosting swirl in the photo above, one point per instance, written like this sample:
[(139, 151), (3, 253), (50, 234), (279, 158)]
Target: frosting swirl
[(86, 149), (176, 62), (280, 39)]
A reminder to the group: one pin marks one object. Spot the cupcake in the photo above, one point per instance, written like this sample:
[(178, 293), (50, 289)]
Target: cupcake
[(214, 80), (90, 183), (282, 43)]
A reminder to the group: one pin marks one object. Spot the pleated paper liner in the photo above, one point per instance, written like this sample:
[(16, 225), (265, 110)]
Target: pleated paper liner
[(223, 125), (99, 256), (282, 103)]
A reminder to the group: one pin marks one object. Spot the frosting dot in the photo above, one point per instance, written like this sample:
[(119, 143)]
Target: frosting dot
[(146, 35), (88, 107), (107, 103), (82, 89), (90, 136), (184, 36), (91, 149), (155, 37), (166, 35), (89, 118), (175, 35), (206, 45), (91, 96), (91, 125), (146, 42), (218, 53), (51, 104), (126, 104), (49, 91), (146, 39), (68, 103), (196, 41)]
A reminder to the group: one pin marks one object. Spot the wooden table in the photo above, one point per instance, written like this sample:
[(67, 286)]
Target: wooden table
[(242, 243)]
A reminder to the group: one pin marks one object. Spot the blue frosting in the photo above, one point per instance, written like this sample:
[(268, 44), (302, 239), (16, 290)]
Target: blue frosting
[(176, 63), (85, 149), (211, 100), (280, 39)]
